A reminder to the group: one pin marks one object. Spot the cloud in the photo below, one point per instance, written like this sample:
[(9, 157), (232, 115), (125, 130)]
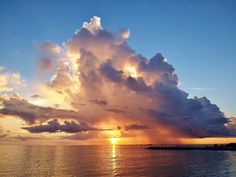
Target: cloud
[(68, 127), (122, 71), (136, 127), (31, 113), (94, 25), (9, 81), (49, 50), (35, 96), (100, 102), (232, 125), (122, 36), (100, 77), (110, 72), (46, 64), (50, 55)]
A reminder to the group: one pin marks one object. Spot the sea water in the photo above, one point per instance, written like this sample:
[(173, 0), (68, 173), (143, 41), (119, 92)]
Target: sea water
[(116, 160)]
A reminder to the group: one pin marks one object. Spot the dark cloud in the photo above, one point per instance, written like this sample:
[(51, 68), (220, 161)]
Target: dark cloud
[(32, 113), (136, 84), (110, 72), (193, 117), (117, 76), (136, 127), (35, 96), (99, 102), (68, 127)]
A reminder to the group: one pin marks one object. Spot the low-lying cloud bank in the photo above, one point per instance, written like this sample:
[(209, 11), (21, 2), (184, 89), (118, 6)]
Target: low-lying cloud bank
[(31, 113), (68, 127), (100, 77)]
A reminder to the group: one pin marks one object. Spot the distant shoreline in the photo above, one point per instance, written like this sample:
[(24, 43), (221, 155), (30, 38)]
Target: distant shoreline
[(216, 147)]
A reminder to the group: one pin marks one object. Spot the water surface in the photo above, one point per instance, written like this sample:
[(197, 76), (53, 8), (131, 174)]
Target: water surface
[(133, 161)]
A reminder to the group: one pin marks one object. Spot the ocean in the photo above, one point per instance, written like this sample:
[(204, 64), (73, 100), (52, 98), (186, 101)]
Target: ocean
[(116, 160)]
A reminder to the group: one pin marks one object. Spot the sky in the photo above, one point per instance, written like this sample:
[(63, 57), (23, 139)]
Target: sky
[(41, 43)]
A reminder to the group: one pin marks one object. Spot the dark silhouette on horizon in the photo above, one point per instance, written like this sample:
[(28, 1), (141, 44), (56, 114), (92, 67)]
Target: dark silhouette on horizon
[(216, 147)]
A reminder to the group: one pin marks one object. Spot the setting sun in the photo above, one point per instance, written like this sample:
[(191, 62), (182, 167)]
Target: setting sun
[(114, 140)]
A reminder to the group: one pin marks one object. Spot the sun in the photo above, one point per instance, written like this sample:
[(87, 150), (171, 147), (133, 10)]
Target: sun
[(114, 136), (114, 140)]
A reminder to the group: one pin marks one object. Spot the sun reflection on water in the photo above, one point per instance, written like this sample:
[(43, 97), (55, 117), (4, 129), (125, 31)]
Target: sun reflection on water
[(113, 151), (114, 155)]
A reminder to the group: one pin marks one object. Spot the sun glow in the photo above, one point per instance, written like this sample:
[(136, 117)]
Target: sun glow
[(114, 136), (131, 71), (114, 140)]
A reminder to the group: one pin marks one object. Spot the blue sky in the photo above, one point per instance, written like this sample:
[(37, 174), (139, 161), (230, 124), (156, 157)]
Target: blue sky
[(197, 37)]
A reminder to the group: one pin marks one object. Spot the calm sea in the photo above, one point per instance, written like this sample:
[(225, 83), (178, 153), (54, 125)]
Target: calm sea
[(104, 161)]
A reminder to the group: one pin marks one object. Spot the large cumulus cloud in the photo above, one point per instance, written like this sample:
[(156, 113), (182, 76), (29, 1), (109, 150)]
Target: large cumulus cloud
[(100, 77)]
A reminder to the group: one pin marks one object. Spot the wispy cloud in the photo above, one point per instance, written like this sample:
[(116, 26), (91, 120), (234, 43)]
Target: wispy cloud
[(203, 89)]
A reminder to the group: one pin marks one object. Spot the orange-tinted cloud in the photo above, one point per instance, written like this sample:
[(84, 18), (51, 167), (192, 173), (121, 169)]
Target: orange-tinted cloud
[(100, 78), (9, 81)]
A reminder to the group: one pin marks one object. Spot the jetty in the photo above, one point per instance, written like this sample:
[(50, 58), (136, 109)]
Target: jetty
[(216, 147)]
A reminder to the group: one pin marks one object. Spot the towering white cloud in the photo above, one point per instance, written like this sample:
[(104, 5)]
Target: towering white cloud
[(94, 25), (101, 78)]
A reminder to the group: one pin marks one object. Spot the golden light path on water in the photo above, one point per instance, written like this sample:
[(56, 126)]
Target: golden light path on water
[(114, 141), (114, 156)]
